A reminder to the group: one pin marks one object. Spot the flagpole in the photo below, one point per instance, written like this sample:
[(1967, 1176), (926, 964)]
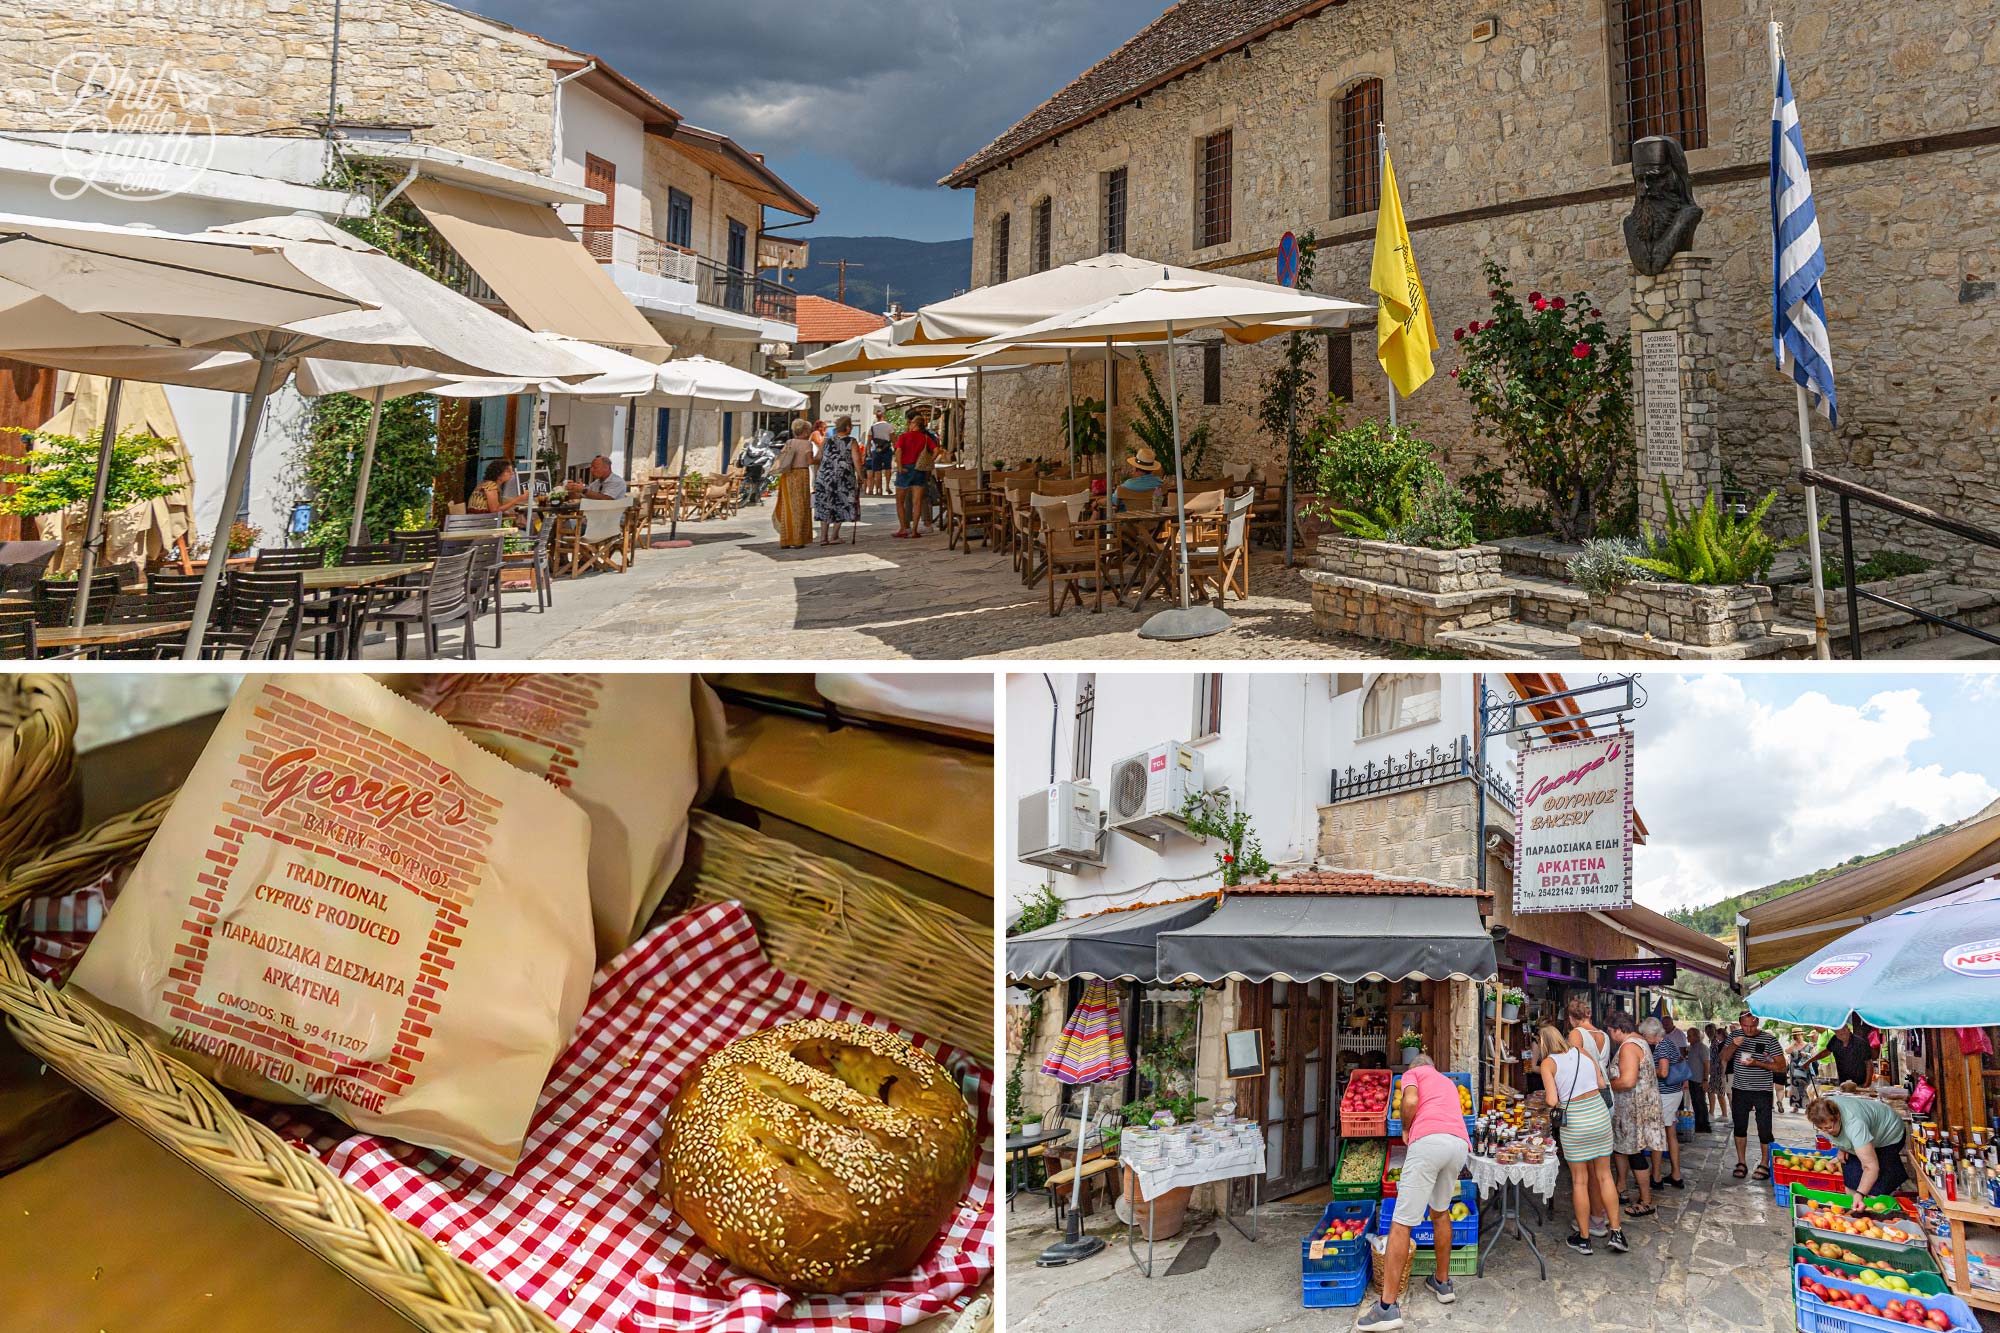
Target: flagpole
[(1821, 647), (1381, 178)]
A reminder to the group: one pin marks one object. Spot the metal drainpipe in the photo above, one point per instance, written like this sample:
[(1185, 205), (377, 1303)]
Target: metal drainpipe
[(555, 122)]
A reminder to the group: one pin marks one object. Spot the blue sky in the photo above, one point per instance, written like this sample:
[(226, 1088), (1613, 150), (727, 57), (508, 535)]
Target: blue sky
[(1746, 778), (861, 104)]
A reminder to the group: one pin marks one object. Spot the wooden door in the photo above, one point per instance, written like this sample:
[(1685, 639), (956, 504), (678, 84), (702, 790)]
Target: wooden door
[(598, 219), (27, 398), (1294, 1099)]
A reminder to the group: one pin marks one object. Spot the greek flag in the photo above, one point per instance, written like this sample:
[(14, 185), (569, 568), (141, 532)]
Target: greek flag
[(1799, 313)]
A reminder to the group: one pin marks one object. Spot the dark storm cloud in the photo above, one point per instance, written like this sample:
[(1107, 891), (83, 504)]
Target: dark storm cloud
[(904, 90)]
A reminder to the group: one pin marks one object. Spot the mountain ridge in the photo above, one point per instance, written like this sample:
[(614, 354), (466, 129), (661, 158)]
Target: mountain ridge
[(915, 272)]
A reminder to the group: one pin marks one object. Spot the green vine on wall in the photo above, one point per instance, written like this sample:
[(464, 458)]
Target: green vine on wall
[(1215, 814), (1044, 909)]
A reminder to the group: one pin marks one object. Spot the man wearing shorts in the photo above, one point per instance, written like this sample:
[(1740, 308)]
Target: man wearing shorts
[(881, 454), (911, 447), (1757, 1057), (1434, 1129)]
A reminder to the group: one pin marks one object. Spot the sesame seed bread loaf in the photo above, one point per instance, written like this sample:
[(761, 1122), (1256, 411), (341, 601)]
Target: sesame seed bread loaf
[(823, 1156)]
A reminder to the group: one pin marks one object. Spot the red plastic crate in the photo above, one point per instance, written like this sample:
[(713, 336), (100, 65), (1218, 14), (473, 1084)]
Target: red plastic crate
[(1359, 1125)]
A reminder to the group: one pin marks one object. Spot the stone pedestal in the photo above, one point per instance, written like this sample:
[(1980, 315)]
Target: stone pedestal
[(1674, 387)]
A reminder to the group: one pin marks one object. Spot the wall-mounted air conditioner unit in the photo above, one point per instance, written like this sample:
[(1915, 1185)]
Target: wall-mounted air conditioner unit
[(1149, 790), (1061, 828)]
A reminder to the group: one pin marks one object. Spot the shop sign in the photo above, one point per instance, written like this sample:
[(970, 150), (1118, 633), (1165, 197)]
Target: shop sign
[(1573, 849), (1637, 972), (1834, 968)]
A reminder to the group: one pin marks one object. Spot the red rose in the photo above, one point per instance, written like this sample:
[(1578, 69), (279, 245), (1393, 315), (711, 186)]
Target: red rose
[(1580, 351), (1458, 335), (1493, 295), (1454, 373), (1540, 306), (1473, 327), (1596, 313), (1228, 859), (1536, 297), (1560, 304)]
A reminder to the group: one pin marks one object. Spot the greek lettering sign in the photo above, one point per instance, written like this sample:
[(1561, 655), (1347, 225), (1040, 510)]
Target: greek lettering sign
[(1660, 376), (1573, 850)]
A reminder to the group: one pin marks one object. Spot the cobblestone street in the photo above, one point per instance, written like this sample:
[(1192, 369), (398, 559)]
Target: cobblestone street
[(1713, 1258), (734, 595)]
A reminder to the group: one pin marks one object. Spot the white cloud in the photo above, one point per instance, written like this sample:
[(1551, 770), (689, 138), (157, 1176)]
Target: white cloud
[(1738, 793)]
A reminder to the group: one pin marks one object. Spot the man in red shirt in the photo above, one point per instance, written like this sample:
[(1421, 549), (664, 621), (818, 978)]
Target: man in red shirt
[(913, 450)]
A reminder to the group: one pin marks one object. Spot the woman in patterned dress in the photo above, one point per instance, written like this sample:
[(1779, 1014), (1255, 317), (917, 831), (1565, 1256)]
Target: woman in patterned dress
[(1572, 1081), (837, 484), (1635, 1109)]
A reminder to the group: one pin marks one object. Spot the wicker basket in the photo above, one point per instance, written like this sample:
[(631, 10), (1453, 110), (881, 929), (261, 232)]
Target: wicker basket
[(819, 920), (37, 763)]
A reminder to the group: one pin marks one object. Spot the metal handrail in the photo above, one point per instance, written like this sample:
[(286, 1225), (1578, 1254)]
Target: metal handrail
[(1851, 491)]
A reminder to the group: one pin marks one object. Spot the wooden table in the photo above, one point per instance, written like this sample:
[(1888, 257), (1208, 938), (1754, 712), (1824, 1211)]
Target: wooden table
[(1154, 566), (334, 578), (94, 637), (478, 534)]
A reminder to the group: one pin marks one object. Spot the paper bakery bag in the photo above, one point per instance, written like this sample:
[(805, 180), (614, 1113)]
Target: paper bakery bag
[(352, 905)]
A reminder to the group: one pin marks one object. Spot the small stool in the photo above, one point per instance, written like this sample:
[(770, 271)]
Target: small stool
[(1094, 1168)]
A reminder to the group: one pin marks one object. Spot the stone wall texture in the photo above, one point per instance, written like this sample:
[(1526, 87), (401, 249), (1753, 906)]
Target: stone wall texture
[(1913, 241), (476, 86), (1428, 833)]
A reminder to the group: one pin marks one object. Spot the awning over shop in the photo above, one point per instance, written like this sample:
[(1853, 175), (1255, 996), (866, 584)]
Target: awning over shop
[(532, 262), (1787, 929), (1117, 946), (1669, 939), (1353, 937)]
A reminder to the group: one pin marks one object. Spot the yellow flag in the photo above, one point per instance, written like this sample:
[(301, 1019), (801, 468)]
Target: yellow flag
[(1404, 335)]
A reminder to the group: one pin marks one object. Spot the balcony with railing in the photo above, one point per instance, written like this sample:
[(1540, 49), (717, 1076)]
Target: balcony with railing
[(715, 284)]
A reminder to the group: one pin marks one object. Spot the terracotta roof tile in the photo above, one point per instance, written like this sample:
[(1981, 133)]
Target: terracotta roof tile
[(824, 321), (1187, 35), (1359, 882)]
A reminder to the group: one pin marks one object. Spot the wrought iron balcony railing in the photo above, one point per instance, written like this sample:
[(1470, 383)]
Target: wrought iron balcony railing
[(715, 284)]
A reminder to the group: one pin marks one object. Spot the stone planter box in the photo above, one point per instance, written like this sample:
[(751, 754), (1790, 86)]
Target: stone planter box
[(1418, 568), (1923, 591), (1701, 616), (1404, 594), (1536, 557)]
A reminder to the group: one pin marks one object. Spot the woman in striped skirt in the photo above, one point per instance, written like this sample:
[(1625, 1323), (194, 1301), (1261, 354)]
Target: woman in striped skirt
[(1571, 1080)]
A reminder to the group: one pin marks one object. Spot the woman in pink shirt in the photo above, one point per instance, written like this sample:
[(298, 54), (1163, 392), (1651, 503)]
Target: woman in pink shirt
[(1437, 1146)]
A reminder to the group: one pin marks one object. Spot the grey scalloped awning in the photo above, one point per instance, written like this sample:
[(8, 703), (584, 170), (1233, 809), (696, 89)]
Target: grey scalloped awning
[(1303, 936), (1117, 946)]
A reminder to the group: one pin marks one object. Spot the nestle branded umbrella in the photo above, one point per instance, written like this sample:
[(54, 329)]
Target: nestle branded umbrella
[(1168, 307), (77, 284), (1090, 1050), (1932, 965)]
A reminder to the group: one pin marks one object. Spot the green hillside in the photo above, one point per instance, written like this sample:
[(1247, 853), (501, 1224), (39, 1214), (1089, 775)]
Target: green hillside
[(1718, 919)]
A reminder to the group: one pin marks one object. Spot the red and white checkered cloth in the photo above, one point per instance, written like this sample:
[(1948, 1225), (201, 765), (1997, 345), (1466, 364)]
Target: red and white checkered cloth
[(55, 931), (579, 1229)]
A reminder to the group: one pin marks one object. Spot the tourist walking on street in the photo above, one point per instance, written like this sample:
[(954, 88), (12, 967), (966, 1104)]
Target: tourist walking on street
[(1870, 1137), (1697, 1088), (914, 449), (1574, 1085), (1670, 1069), (791, 511), (837, 483), (881, 454), (1798, 1070), (1585, 1036), (1718, 1072), (1635, 1111), (1434, 1131), (1851, 1051), (1756, 1058)]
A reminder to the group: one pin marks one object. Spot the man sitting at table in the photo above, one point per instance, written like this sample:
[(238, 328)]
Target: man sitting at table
[(604, 484), (1145, 467)]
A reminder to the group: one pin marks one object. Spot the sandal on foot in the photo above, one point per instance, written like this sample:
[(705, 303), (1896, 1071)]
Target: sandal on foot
[(1641, 1210), (1760, 1174), (1741, 1171)]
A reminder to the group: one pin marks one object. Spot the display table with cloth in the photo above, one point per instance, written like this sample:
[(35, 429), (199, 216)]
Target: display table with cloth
[(1538, 1178), (1155, 1180)]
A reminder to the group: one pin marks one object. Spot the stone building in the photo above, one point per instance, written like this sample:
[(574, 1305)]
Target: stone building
[(1226, 123)]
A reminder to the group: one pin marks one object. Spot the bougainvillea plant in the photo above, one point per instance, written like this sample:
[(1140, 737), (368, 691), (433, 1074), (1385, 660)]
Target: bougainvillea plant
[(1550, 383)]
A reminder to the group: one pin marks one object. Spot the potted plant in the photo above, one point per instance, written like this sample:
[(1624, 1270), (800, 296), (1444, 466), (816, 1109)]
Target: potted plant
[(1412, 1044), (1486, 1005), (243, 537), (1510, 1005)]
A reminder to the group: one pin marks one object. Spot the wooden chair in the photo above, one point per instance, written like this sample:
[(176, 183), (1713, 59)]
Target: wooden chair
[(595, 538), (968, 505), (1218, 550), (443, 599), (55, 599), (283, 559), (17, 637), (535, 563), (483, 585), (1075, 552), (252, 592), (472, 522), (1045, 512), (415, 544), (381, 553), (156, 605)]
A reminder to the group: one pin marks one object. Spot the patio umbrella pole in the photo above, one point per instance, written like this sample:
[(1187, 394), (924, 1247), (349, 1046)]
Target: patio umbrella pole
[(1069, 405), (232, 496), (354, 528), (1074, 1245), (979, 429), (1184, 621), (1110, 486), (93, 518), (1291, 432), (674, 524)]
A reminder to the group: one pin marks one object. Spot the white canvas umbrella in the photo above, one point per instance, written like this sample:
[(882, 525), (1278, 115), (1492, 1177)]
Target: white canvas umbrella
[(406, 320), (689, 382), (1170, 307), (66, 284)]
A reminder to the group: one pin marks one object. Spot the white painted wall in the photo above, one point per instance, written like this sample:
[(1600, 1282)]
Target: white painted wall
[(1281, 737), (594, 126)]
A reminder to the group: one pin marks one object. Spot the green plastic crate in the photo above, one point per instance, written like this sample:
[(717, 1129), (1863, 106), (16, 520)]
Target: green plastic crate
[(1464, 1261), (1926, 1283), (1909, 1261), (1368, 1189)]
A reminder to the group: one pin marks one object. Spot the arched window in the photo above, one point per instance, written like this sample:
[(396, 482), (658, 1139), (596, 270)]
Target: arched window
[(1399, 699), (1657, 79), (1356, 118), (1003, 242)]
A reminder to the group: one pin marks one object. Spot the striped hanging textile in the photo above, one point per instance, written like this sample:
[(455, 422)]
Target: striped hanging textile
[(1092, 1045)]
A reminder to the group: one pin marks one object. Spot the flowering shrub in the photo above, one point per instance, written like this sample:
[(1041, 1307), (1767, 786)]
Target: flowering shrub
[(1550, 383)]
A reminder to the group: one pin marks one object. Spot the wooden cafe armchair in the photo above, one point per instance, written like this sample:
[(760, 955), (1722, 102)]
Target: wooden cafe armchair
[(1218, 547)]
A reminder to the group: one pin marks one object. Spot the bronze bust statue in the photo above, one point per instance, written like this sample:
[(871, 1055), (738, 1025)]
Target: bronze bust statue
[(1664, 214)]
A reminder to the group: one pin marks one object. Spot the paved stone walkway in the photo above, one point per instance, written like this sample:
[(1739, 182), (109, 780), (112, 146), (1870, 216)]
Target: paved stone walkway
[(1714, 1258), (734, 595)]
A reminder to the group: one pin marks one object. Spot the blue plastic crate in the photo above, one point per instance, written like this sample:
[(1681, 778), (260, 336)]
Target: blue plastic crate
[(1462, 1233), (1320, 1293), (1337, 1256), (1783, 1194), (1816, 1316), (1396, 1083)]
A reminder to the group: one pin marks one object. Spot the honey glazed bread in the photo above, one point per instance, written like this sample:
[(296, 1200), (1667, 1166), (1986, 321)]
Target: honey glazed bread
[(823, 1156)]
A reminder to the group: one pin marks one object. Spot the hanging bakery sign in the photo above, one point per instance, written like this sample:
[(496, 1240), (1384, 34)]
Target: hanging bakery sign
[(1573, 847)]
